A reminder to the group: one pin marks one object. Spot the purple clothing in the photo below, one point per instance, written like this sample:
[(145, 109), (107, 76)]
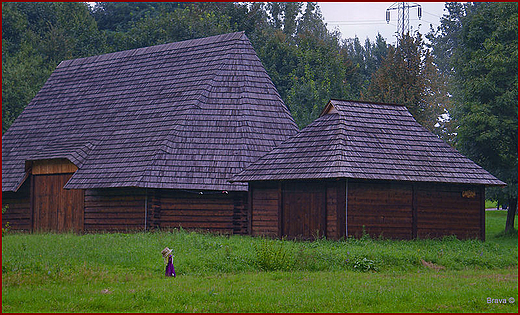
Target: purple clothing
[(170, 270)]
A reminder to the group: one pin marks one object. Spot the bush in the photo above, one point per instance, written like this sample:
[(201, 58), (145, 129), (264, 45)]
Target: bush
[(270, 256), (364, 264), (7, 227)]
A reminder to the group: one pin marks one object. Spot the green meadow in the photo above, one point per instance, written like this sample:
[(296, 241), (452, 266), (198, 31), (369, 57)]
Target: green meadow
[(125, 273)]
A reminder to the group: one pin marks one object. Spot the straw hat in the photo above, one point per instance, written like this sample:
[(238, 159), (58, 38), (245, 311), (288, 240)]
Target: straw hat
[(166, 252)]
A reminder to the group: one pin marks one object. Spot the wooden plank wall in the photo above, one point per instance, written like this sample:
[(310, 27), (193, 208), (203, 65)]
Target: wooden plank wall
[(19, 212), (210, 211), (386, 209), (304, 212), (55, 208), (332, 212), (114, 209), (265, 207), (382, 208), (336, 209), (54, 166), (448, 210)]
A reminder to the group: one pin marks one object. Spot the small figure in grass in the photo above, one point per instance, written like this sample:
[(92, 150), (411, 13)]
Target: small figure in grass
[(168, 259)]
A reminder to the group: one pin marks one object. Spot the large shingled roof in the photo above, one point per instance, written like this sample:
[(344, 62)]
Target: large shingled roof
[(186, 115), (372, 141)]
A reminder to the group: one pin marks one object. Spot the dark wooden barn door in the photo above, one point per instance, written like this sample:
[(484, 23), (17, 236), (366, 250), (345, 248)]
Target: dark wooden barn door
[(56, 209), (304, 210)]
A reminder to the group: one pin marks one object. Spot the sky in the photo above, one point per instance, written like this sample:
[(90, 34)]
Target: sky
[(366, 19)]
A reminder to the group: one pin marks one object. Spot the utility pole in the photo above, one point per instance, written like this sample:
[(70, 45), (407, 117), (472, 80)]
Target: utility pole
[(403, 15)]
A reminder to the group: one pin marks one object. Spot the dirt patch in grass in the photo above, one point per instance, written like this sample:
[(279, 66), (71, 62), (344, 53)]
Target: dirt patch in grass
[(431, 265)]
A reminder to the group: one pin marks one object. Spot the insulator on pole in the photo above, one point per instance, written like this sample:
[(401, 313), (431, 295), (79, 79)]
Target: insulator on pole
[(419, 12), (387, 16)]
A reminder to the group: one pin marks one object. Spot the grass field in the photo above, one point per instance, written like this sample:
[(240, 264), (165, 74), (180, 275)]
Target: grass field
[(125, 273)]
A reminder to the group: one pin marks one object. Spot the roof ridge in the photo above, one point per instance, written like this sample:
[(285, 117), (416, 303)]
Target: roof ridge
[(166, 147), (366, 102), (153, 49), (225, 62), (343, 139)]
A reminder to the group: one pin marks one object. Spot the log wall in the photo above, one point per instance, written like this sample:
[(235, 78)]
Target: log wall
[(114, 209), (265, 208), (124, 209), (18, 214), (449, 210), (210, 211), (380, 209)]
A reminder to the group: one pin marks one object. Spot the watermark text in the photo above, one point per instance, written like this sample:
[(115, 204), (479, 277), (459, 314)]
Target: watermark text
[(500, 301)]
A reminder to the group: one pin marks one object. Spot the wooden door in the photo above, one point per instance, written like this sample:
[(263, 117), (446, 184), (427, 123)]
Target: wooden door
[(56, 209), (304, 210)]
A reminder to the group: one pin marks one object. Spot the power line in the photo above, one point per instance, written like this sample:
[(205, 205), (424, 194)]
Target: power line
[(379, 20), (440, 17), (360, 23)]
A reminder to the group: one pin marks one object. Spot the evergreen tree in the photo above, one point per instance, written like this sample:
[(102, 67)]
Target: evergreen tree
[(366, 60)]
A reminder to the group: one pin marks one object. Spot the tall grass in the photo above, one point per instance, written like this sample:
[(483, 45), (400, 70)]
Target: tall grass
[(114, 261), (206, 254)]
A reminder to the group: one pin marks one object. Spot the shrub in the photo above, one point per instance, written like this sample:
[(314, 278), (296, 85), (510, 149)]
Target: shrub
[(270, 256), (7, 227), (364, 264)]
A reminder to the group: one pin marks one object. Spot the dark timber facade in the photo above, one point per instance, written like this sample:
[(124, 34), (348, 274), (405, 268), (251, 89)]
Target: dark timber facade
[(337, 208), (366, 168)]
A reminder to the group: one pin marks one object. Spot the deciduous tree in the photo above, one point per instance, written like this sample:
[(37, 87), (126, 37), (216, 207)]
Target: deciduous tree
[(408, 76)]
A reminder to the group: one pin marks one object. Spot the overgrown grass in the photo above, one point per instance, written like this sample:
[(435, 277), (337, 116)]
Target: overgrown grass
[(125, 273)]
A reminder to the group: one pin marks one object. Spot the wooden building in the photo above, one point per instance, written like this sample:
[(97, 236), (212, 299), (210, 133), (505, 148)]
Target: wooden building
[(366, 167), (145, 138)]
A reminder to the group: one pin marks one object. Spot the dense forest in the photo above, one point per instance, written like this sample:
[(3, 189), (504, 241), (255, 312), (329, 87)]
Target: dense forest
[(460, 80)]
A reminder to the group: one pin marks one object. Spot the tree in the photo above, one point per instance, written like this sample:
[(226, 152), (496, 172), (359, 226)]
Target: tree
[(120, 16), (444, 41), (408, 76), (304, 59), (366, 60), (485, 65), (284, 16), (35, 38)]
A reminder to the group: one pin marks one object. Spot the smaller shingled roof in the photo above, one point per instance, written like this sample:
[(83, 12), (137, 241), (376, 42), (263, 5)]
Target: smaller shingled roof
[(363, 140)]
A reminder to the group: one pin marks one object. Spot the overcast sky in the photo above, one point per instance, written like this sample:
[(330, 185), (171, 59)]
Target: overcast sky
[(366, 19)]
